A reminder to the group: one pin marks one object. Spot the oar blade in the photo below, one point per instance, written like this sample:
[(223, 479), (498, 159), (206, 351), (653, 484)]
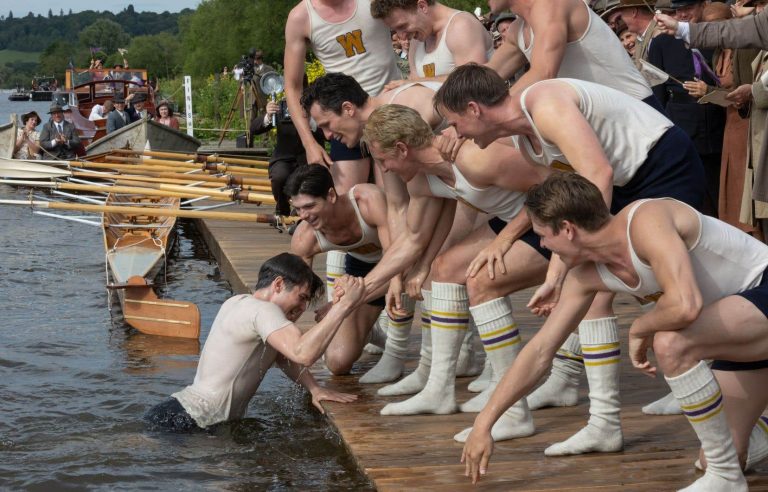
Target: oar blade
[(149, 314), (19, 169)]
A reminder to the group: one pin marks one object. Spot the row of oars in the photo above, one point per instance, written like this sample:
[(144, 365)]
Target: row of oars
[(152, 173)]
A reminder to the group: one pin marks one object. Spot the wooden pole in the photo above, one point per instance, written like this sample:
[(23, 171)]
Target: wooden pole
[(195, 157), (138, 211), (210, 166), (223, 180)]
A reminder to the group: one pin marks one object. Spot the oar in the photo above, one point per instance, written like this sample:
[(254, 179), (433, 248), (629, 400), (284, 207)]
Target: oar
[(139, 211), (251, 184), (207, 166), (20, 169), (195, 157)]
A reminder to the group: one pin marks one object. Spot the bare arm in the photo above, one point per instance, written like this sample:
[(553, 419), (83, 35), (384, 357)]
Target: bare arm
[(304, 377), (304, 243), (296, 42), (507, 59), (306, 348), (532, 363)]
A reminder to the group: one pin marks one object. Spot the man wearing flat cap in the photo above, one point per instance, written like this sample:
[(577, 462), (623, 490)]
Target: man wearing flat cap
[(119, 117), (638, 16), (59, 137)]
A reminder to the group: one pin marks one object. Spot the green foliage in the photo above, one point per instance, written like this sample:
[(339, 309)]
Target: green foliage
[(17, 73), (104, 34), (220, 31), (160, 54), (55, 58), (11, 56)]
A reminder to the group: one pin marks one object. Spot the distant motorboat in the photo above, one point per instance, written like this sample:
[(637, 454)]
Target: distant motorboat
[(19, 95)]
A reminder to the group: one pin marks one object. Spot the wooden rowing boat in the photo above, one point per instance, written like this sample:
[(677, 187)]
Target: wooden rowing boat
[(142, 135), (8, 138), (136, 250)]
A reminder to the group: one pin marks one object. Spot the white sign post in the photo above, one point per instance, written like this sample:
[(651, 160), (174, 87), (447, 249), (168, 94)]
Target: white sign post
[(188, 104)]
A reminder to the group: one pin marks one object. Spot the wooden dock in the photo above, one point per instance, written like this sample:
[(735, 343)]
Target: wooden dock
[(419, 453)]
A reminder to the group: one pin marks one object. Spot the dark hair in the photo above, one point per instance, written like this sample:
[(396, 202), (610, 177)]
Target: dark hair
[(567, 196), (382, 8), (471, 82), (331, 91), (294, 271), (313, 180), (167, 105)]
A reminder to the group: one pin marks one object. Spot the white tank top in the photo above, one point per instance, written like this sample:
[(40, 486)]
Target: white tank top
[(433, 85), (440, 61), (626, 128), (367, 248), (360, 46), (497, 202), (597, 57), (725, 261)]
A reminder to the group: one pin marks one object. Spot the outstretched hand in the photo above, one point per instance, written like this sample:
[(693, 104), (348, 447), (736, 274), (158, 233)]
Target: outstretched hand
[(349, 289), (322, 393), (666, 24), (545, 298), (638, 353), (476, 454)]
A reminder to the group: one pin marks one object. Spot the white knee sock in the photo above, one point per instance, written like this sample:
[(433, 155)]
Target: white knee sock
[(415, 381), (758, 443), (702, 403), (501, 341), (450, 317), (334, 268), (561, 389), (470, 363), (483, 379), (600, 345), (379, 332), (390, 366)]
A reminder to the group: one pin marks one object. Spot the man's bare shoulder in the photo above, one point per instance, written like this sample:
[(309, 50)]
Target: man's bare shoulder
[(304, 241), (418, 187), (298, 20), (419, 98), (372, 203)]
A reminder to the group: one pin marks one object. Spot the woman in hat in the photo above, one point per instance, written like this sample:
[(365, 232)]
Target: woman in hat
[(27, 138), (164, 115)]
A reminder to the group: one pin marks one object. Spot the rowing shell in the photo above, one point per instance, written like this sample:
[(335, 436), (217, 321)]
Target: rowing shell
[(19, 169)]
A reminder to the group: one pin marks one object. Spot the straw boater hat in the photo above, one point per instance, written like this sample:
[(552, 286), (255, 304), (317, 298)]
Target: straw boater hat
[(621, 4), (26, 116)]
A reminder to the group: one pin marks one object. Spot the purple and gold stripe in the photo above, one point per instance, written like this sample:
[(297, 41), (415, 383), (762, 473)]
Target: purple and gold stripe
[(762, 422), (450, 320), (401, 323), (699, 412), (601, 355), (503, 337), (426, 319)]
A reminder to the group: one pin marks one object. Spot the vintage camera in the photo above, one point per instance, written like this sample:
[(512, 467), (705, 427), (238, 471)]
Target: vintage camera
[(246, 63)]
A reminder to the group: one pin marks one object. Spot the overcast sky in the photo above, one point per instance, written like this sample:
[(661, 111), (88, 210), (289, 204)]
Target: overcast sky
[(21, 9)]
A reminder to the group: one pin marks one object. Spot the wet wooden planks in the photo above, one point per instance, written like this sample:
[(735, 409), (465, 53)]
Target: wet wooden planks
[(419, 453)]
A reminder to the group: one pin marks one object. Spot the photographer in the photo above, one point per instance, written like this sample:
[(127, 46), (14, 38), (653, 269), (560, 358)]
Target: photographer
[(288, 154)]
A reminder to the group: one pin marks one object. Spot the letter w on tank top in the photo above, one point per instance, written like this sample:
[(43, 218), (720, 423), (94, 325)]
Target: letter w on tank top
[(352, 42)]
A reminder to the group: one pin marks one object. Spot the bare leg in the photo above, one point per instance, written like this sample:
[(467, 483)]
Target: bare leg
[(347, 345), (347, 174)]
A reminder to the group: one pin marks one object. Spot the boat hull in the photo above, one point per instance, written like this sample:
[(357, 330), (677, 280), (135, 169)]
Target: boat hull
[(144, 135)]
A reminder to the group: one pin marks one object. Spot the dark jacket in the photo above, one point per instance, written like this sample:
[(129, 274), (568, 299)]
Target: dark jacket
[(116, 122), (288, 146), (66, 150), (704, 123)]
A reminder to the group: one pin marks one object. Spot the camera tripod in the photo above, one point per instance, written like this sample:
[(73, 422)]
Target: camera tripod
[(247, 93)]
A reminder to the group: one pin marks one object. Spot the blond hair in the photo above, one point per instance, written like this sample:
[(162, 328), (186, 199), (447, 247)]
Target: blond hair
[(394, 123)]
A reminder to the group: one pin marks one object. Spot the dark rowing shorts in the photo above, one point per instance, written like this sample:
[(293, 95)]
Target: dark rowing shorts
[(359, 268), (171, 416), (530, 238), (340, 152), (759, 297), (673, 169)]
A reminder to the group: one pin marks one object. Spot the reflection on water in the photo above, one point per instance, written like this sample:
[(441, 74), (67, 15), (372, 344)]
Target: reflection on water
[(76, 380)]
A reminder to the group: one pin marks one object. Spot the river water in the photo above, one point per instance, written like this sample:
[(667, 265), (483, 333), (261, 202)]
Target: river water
[(75, 381)]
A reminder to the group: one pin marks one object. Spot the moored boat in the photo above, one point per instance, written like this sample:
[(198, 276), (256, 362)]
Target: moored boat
[(8, 138), (19, 94), (43, 88), (145, 134), (136, 249)]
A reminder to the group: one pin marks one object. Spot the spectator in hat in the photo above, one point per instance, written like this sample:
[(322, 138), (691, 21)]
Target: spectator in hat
[(164, 115), (638, 17), (135, 106), (59, 137), (704, 123), (628, 38), (119, 117), (502, 23), (27, 137), (259, 67)]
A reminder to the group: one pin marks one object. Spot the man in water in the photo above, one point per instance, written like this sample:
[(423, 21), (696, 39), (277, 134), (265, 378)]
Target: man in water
[(252, 332)]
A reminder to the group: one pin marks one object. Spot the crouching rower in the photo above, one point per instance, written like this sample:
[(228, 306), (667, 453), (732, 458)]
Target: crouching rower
[(711, 290), (252, 332)]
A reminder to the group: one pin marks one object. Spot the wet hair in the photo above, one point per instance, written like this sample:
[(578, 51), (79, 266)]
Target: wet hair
[(567, 196), (392, 123), (313, 180), (331, 91), (471, 82), (382, 8), (294, 272)]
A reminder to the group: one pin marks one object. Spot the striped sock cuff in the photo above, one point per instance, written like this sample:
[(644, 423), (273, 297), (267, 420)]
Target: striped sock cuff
[(600, 341), (570, 349), (495, 324), (762, 422), (450, 306), (426, 309), (698, 393), (490, 311)]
